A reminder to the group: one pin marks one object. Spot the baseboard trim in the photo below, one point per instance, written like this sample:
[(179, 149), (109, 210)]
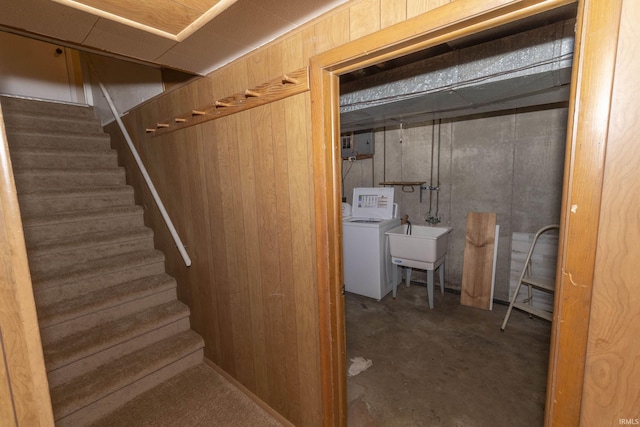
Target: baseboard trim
[(249, 394)]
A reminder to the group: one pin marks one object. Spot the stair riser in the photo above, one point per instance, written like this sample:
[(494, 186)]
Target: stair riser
[(113, 401), (41, 263), (50, 292), (65, 161), (38, 234), (83, 323), (32, 206), (24, 121), (44, 180), (63, 374), (89, 141)]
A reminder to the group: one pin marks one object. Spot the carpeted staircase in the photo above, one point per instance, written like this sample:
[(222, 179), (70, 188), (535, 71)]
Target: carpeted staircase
[(110, 322)]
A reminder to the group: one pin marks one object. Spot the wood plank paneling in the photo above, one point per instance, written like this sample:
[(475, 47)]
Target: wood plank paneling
[(202, 92), (219, 279), (613, 372), (301, 212), (255, 309), (285, 237), (265, 65), (392, 12), (262, 66), (205, 297), (364, 18), (269, 257), (292, 54), (187, 198), (417, 7), (237, 261), (331, 32)]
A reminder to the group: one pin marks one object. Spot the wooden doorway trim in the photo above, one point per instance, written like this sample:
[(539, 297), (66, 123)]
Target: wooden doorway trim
[(582, 185), (597, 28)]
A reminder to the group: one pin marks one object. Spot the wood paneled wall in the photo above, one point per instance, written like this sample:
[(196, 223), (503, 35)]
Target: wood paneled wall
[(240, 192)]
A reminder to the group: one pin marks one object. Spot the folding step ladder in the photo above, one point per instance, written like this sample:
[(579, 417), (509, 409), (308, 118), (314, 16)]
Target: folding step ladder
[(532, 281)]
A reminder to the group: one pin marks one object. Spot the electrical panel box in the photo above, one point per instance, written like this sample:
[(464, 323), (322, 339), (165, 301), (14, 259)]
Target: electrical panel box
[(356, 144)]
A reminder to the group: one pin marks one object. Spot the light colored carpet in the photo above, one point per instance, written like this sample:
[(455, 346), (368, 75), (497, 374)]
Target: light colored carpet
[(196, 397), (111, 325)]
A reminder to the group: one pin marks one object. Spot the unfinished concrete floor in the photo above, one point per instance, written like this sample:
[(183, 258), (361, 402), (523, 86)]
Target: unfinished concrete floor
[(450, 366)]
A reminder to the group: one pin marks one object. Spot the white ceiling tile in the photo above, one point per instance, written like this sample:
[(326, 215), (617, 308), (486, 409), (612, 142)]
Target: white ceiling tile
[(188, 63), (200, 52), (242, 27), (47, 18), (124, 40), (245, 23)]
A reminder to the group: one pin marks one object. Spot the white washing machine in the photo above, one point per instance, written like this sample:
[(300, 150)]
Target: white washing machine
[(368, 269)]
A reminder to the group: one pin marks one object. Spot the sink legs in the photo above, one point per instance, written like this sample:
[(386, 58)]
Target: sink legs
[(430, 280)]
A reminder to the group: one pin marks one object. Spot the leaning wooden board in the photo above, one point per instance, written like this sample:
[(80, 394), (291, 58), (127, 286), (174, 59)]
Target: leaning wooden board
[(477, 270)]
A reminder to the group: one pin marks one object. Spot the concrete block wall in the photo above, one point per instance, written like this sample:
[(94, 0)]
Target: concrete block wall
[(510, 163)]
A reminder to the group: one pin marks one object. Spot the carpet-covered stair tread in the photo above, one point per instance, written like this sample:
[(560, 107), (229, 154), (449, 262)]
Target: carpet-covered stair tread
[(109, 335), (60, 109), (61, 140), (99, 306), (49, 178), (58, 217), (59, 200), (86, 247), (94, 268), (118, 374), (46, 228), (111, 325), (53, 135), (46, 157), (29, 120), (199, 396)]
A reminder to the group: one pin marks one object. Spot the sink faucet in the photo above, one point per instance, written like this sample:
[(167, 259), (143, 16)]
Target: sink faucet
[(433, 220)]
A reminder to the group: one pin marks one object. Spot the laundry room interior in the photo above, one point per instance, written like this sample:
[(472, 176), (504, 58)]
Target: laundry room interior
[(477, 125)]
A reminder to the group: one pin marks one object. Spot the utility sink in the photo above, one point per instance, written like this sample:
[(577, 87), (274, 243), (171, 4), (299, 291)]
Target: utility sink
[(423, 248)]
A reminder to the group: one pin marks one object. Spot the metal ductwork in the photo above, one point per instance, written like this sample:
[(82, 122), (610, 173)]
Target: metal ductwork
[(520, 70)]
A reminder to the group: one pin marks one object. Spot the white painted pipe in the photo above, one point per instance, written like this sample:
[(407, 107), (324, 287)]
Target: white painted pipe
[(146, 176)]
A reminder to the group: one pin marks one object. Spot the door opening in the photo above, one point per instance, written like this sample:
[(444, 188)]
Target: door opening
[(478, 126)]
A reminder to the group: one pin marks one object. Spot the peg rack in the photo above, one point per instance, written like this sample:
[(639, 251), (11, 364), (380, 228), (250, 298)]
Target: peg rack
[(287, 85)]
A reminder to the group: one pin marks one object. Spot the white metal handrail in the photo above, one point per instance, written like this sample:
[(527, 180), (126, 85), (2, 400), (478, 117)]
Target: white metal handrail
[(147, 178)]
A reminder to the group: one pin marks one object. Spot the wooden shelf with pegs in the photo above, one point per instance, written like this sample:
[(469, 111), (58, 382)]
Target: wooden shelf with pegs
[(286, 85)]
